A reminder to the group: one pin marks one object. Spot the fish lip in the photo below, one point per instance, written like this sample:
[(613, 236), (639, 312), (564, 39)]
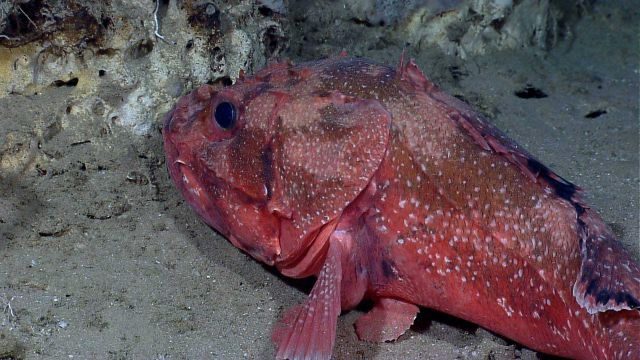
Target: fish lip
[(180, 168), (191, 190)]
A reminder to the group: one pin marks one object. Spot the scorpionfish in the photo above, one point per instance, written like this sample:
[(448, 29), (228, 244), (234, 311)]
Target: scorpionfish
[(386, 188)]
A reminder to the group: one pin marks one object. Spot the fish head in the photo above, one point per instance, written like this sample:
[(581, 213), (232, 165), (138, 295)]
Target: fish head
[(270, 162)]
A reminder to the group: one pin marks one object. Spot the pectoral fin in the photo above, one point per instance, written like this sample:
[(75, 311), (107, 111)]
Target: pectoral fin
[(308, 331)]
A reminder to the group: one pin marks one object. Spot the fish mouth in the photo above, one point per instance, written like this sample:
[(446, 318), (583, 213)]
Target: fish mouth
[(190, 187), (221, 206)]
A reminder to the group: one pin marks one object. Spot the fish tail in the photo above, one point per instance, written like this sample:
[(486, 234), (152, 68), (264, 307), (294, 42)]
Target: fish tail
[(609, 277), (608, 286)]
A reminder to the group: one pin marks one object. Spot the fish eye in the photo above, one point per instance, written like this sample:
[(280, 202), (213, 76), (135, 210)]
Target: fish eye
[(225, 115)]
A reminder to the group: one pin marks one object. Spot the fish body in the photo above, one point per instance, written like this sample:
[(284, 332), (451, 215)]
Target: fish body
[(386, 188)]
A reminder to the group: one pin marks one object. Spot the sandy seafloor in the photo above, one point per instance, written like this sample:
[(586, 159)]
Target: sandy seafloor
[(100, 258)]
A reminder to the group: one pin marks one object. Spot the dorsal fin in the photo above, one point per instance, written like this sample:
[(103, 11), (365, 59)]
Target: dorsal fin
[(490, 138), (411, 73), (609, 278)]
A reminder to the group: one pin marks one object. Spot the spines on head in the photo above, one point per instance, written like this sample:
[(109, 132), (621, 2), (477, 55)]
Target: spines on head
[(276, 150)]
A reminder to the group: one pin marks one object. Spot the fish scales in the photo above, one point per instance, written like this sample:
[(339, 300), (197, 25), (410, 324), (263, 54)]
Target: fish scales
[(386, 188)]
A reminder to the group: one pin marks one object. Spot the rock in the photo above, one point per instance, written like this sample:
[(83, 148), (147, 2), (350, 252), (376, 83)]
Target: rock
[(476, 26), (151, 55), (458, 28)]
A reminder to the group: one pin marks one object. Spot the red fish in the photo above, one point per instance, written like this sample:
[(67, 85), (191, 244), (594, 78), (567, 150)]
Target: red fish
[(386, 188)]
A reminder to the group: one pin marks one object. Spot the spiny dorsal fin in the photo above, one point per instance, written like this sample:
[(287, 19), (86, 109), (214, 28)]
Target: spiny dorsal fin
[(609, 278), (411, 73)]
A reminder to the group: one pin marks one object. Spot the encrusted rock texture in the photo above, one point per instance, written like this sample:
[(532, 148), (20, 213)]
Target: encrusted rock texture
[(147, 52)]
